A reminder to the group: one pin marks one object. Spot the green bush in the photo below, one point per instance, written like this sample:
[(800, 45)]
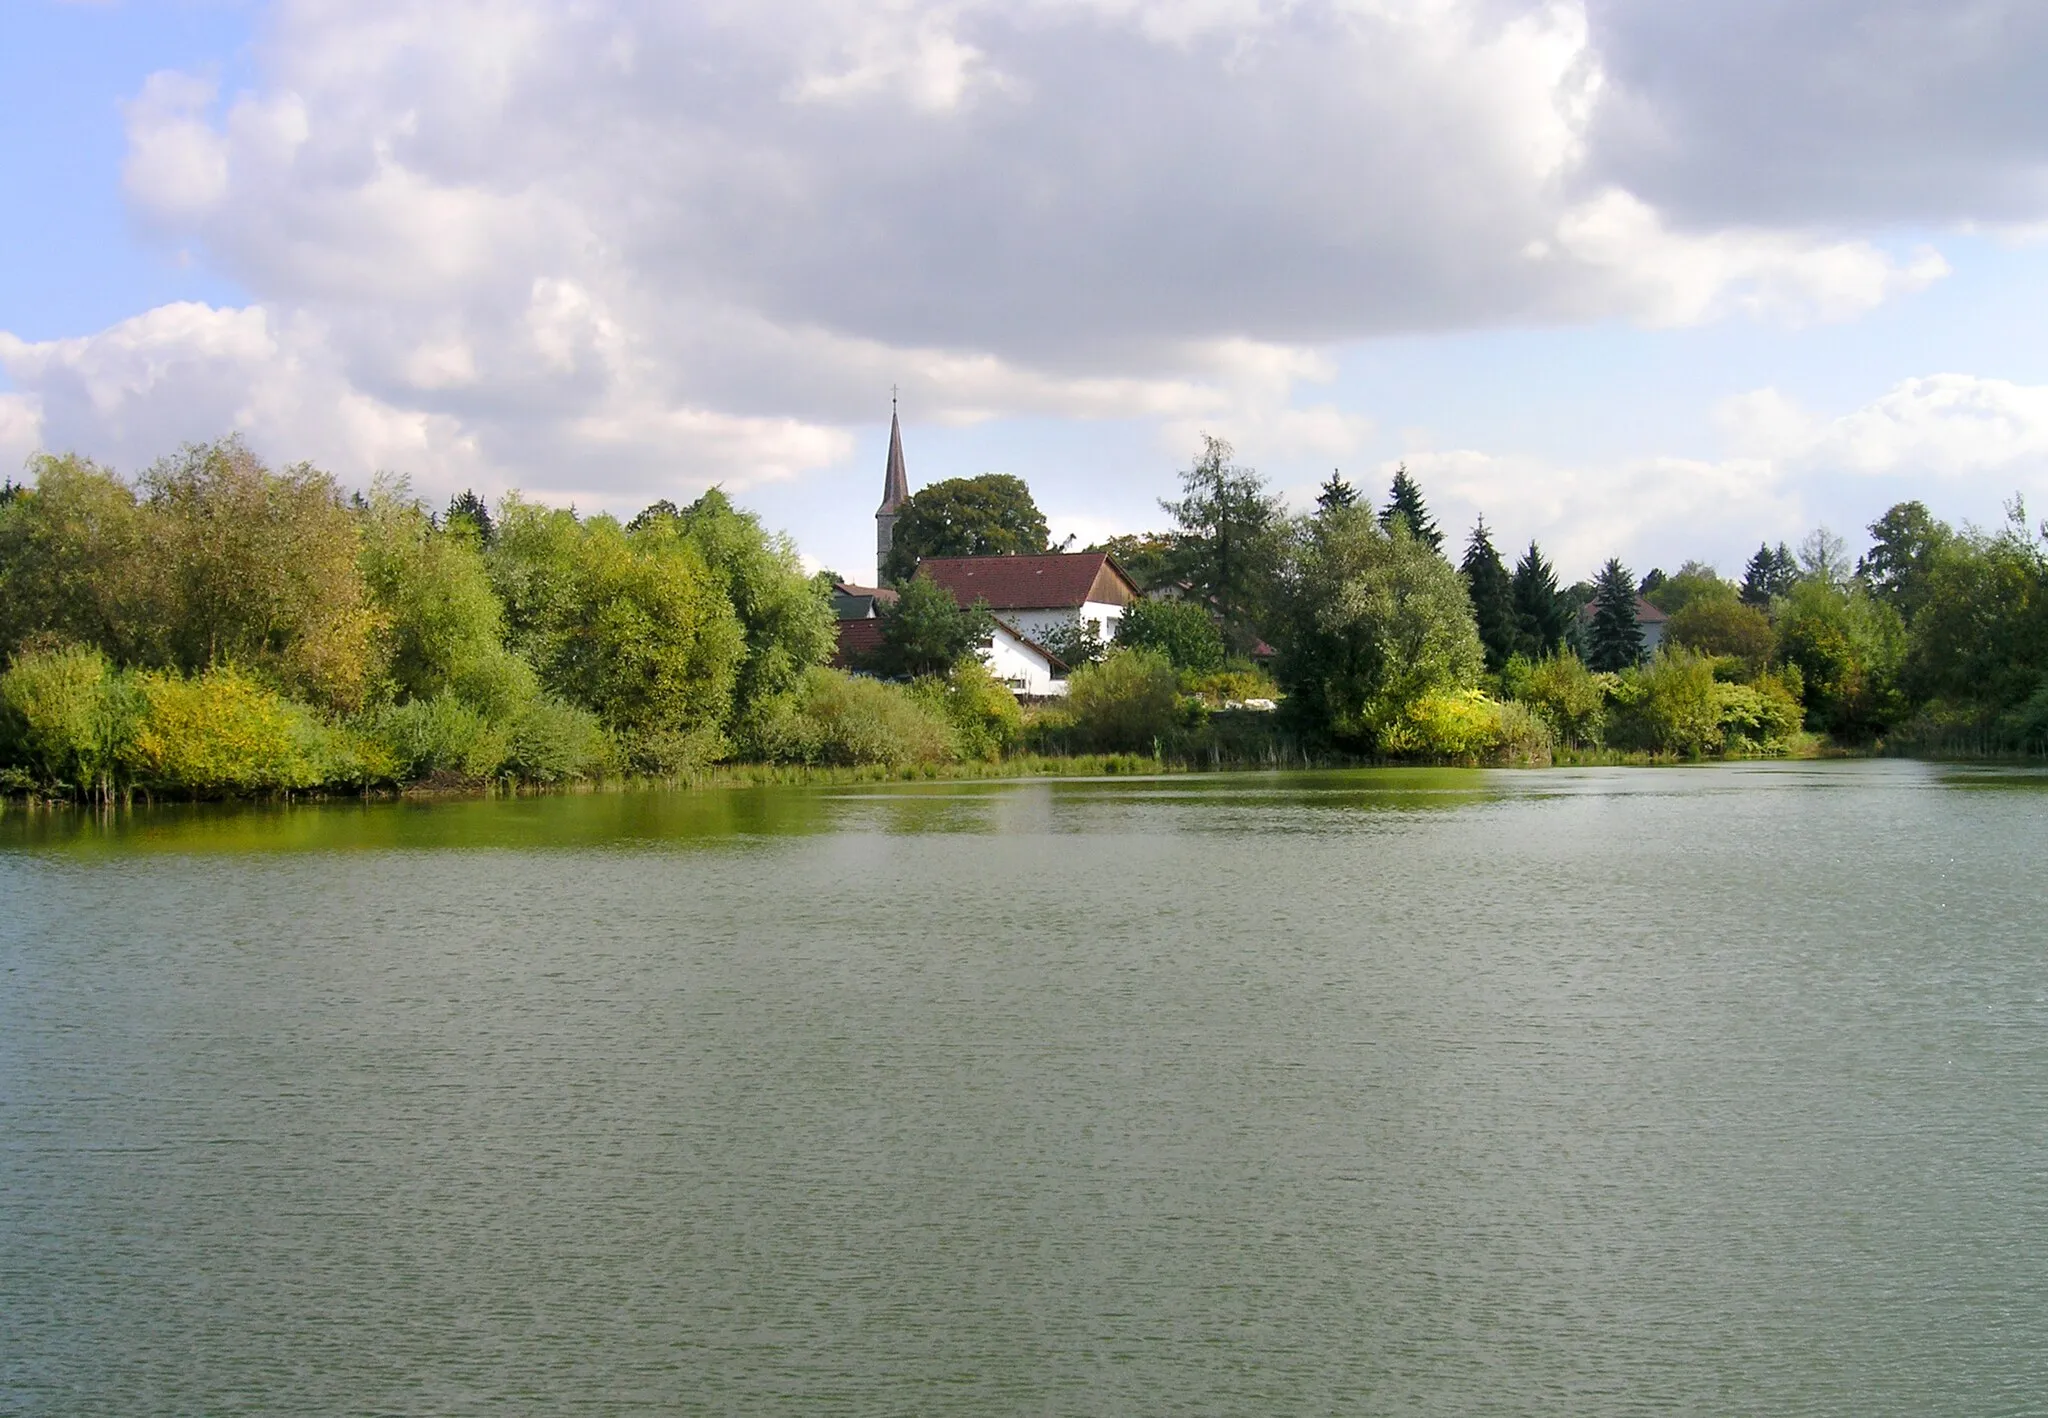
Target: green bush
[(1670, 705), (443, 737), (842, 720), (1130, 702), (1559, 690), (983, 713), (67, 717), (1183, 631), (554, 742)]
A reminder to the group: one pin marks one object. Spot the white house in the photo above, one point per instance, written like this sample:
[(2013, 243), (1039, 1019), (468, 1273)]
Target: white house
[(1026, 667), (1036, 595)]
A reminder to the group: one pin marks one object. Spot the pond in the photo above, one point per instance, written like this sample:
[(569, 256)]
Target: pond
[(1715, 1090)]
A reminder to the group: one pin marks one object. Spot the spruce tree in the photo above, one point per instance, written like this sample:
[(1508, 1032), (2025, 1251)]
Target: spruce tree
[(1769, 573), (1405, 500), (1540, 617), (470, 508), (1493, 597), (1336, 493), (1614, 641)]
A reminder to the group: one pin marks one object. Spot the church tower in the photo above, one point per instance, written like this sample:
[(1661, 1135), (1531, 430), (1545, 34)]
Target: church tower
[(895, 492)]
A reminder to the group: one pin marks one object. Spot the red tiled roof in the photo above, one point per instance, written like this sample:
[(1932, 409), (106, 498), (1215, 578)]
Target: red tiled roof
[(857, 638), (1056, 580), (885, 594)]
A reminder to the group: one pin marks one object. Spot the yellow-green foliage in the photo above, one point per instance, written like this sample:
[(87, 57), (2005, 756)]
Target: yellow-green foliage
[(1676, 705), (1465, 726), (837, 719), (223, 732), (1570, 699), (1129, 701), (1220, 689), (66, 716), (986, 722)]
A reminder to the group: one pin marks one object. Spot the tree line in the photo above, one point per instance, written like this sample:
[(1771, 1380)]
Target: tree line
[(218, 626)]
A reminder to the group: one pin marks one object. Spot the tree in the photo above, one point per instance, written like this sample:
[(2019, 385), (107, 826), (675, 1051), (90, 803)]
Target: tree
[(1716, 625), (1230, 541), (441, 626), (1903, 545), (1336, 493), (80, 561), (787, 621), (1693, 581), (1074, 643), (1540, 617), (466, 507), (1769, 574), (1374, 620), (636, 628), (1849, 648), (1180, 630), (1493, 597), (1404, 500), (926, 632), (1614, 641), (1129, 702), (989, 515), (1651, 582), (263, 572), (1979, 639), (1823, 556)]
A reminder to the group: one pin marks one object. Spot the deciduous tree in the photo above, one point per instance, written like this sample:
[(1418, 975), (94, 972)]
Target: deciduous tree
[(989, 515)]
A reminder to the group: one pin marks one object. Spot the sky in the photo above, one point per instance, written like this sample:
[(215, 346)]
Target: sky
[(1625, 277)]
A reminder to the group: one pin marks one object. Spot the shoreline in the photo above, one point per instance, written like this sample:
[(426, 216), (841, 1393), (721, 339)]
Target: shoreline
[(1018, 769)]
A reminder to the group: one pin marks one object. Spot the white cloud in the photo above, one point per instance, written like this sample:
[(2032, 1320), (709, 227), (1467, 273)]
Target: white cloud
[(631, 250), (177, 165), (1947, 426), (1774, 481)]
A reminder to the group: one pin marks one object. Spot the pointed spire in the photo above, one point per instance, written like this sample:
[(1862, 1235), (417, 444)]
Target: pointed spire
[(896, 482)]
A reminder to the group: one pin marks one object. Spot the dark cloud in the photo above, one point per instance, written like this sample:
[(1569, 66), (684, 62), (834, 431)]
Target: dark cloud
[(1834, 112)]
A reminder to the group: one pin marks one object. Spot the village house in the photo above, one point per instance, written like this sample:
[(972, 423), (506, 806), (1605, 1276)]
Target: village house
[(1028, 596)]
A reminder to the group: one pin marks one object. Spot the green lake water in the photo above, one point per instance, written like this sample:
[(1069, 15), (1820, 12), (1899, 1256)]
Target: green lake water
[(1702, 1091)]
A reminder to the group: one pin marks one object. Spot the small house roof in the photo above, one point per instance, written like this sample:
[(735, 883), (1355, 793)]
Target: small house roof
[(857, 639), (1646, 614)]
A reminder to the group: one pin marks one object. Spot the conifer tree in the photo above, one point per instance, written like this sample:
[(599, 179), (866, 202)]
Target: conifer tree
[(468, 507), (1769, 573), (1405, 500), (1540, 617), (1493, 599), (1614, 641), (1336, 493)]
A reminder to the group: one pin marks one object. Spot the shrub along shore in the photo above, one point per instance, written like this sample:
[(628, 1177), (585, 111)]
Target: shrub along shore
[(219, 628)]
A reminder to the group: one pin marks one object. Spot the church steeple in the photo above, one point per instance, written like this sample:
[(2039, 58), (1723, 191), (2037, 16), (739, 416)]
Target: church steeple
[(895, 492)]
